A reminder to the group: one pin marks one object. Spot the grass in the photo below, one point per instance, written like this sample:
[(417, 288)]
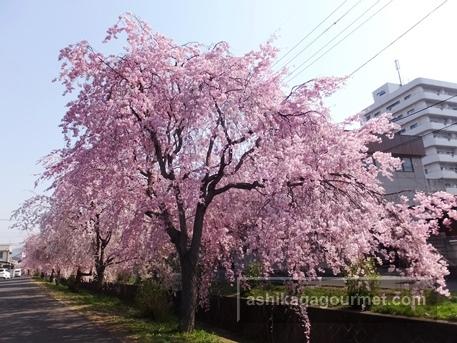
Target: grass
[(127, 320), (435, 307)]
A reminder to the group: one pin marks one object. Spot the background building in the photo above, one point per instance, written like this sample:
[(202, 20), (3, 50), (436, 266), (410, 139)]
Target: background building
[(410, 178), (426, 111), (427, 108), (5, 256), (5, 253)]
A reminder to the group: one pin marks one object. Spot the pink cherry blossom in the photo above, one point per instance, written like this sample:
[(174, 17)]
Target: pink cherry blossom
[(193, 157)]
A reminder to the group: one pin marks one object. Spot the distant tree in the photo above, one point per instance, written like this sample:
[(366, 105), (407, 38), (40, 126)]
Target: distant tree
[(81, 230)]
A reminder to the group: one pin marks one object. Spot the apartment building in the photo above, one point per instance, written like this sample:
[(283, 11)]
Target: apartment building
[(5, 256), (426, 111), (426, 108)]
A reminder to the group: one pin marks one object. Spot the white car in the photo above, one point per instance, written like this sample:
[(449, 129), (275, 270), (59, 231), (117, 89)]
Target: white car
[(17, 273), (4, 274)]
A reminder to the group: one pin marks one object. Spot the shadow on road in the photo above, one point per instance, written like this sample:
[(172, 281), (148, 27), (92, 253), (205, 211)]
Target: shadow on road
[(29, 314)]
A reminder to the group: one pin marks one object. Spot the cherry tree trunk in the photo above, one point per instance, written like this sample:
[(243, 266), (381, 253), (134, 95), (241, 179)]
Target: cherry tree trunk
[(58, 277), (188, 294), (51, 278), (77, 282), (100, 277), (78, 279)]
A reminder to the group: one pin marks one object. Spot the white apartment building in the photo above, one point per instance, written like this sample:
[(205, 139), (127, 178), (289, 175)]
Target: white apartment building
[(5, 253), (421, 108)]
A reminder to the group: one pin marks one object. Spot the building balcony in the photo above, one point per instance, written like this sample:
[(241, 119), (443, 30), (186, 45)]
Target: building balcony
[(404, 104), (429, 140), (432, 95), (437, 111), (448, 113), (423, 127), (441, 174), (434, 158), (430, 126), (446, 127)]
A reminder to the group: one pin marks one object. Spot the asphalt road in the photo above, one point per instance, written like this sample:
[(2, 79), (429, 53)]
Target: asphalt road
[(29, 314)]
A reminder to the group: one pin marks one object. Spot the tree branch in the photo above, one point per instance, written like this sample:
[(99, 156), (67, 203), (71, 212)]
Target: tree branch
[(239, 185)]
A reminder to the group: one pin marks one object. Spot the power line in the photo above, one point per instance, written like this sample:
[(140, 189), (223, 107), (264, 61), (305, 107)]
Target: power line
[(338, 42), (425, 108), (322, 33), (310, 33), (419, 137), (398, 38), (335, 37)]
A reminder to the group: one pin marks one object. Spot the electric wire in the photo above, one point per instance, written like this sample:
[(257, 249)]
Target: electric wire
[(425, 108), (398, 38), (291, 75), (415, 138), (322, 33), (309, 33)]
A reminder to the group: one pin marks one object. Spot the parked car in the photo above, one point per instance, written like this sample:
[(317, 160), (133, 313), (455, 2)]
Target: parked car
[(4, 274), (17, 272)]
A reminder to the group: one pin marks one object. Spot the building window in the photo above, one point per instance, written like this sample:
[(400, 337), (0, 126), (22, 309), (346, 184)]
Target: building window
[(381, 93), (443, 136), (406, 164), (413, 126), (407, 97), (389, 108), (410, 111), (446, 152), (376, 114), (436, 120), (450, 167)]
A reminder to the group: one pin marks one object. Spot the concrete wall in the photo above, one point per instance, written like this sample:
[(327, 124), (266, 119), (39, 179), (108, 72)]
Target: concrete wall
[(406, 183), (276, 323), (447, 246)]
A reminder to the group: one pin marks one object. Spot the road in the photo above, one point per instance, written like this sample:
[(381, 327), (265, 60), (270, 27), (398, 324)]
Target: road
[(29, 314)]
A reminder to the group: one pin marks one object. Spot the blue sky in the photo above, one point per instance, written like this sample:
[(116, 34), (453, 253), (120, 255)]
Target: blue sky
[(32, 32)]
